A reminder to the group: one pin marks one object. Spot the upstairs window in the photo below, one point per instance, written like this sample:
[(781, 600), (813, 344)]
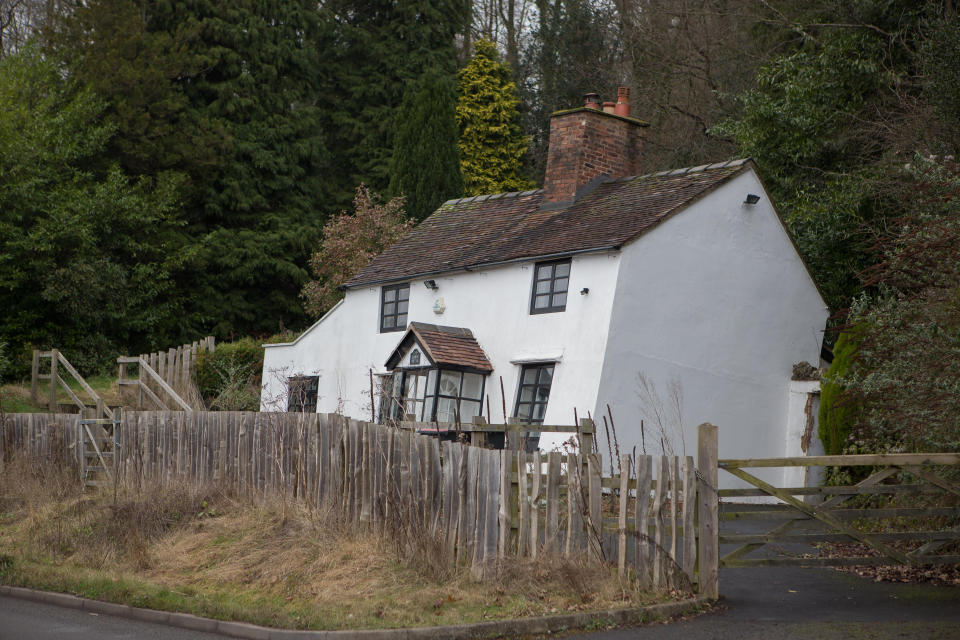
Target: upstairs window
[(394, 301), (535, 381), (550, 283), (302, 394)]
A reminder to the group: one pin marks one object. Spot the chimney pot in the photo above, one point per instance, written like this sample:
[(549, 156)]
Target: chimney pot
[(623, 102), (591, 100), (609, 107)]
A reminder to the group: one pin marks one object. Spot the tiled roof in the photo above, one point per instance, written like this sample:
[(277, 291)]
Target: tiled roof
[(471, 232), (445, 346)]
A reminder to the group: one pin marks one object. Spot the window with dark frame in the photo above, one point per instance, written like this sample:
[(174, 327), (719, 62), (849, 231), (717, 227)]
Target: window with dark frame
[(534, 391), (394, 303), (551, 280), (302, 394), (436, 395)]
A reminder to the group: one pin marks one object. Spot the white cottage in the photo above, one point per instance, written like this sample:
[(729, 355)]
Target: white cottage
[(573, 296)]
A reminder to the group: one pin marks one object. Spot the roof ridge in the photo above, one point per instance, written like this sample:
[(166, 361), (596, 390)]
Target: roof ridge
[(491, 196), (687, 170)]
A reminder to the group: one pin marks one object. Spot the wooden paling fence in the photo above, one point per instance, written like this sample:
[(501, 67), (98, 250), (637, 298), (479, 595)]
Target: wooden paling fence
[(175, 365), (480, 505)]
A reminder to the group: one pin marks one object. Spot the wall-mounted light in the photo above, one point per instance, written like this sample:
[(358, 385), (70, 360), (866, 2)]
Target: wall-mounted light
[(431, 284), (752, 198), (584, 291)]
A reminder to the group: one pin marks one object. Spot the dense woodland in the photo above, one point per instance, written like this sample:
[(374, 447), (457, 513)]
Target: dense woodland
[(173, 169)]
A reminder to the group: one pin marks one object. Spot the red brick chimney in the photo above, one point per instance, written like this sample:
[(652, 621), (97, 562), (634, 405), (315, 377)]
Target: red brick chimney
[(587, 144)]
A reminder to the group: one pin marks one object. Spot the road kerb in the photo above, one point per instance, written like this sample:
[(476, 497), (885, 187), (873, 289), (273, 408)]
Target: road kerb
[(469, 631)]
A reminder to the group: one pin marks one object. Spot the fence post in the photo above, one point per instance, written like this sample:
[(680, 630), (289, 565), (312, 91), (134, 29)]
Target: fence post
[(708, 507), (586, 436), (54, 357), (478, 438), (35, 377)]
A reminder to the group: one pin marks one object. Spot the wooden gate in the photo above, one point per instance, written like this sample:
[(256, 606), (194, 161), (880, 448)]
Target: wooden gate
[(918, 518)]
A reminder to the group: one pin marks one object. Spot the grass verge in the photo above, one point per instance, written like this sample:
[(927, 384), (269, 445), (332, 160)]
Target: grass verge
[(202, 551)]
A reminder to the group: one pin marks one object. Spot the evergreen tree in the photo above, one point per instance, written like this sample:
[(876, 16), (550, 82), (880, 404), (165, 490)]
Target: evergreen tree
[(492, 145), (84, 257), (426, 165), (379, 48), (224, 93)]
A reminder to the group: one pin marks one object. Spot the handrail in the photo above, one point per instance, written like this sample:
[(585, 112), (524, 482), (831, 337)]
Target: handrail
[(86, 387), (148, 370), (57, 358)]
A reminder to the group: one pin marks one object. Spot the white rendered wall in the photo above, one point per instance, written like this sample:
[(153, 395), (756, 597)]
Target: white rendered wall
[(494, 303), (717, 299), (802, 412)]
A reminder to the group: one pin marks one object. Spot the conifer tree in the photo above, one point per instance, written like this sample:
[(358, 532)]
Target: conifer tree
[(225, 94), (426, 165), (381, 46), (492, 144)]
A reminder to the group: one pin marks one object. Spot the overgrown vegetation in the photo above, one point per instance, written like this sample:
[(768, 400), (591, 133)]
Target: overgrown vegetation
[(229, 378), (207, 552), (350, 241)]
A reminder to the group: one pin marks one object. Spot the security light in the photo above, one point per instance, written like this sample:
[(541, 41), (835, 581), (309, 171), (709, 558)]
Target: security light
[(752, 198), (431, 284)]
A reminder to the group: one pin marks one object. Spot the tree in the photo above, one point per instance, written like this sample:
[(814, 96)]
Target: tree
[(492, 145), (225, 94), (833, 118), (85, 261), (907, 370), (573, 49), (375, 49), (350, 241), (426, 164)]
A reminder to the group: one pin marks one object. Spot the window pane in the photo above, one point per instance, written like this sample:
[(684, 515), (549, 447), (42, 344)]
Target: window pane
[(389, 308), (529, 375), (560, 300), (446, 409), (402, 320), (388, 322), (523, 411), (542, 302), (428, 409), (526, 394), (389, 295), (538, 411), (472, 386), (402, 306), (432, 381), (411, 385), (468, 409), (397, 384), (450, 383), (543, 286), (546, 375), (404, 293), (543, 393), (563, 270), (560, 284), (545, 272)]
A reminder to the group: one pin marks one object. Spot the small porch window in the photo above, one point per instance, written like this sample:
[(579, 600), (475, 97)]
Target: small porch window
[(435, 395)]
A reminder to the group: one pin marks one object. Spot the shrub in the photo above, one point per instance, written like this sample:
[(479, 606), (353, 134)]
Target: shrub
[(229, 378), (838, 411)]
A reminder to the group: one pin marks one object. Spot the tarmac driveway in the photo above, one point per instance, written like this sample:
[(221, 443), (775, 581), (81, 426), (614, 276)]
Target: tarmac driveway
[(819, 604)]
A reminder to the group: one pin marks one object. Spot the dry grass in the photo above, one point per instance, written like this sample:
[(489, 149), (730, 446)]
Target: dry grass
[(210, 553)]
